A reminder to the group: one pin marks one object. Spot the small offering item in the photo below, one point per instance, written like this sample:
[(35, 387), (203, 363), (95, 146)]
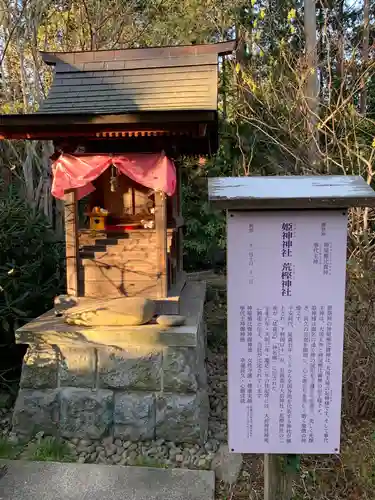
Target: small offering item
[(98, 218)]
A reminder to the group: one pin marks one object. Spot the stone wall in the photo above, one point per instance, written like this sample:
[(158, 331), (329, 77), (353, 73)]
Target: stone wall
[(152, 388)]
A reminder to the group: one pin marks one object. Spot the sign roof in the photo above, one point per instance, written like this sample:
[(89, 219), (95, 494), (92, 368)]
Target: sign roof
[(290, 192)]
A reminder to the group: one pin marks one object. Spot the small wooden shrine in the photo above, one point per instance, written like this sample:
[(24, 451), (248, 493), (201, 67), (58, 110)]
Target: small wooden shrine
[(118, 120)]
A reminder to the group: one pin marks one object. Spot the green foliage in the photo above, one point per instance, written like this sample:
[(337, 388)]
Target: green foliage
[(31, 264), (8, 450), (204, 244), (49, 449)]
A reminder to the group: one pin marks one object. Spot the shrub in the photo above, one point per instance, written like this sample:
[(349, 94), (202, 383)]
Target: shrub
[(48, 449), (31, 272)]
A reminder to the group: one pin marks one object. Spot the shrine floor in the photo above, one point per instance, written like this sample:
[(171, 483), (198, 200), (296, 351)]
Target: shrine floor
[(58, 481)]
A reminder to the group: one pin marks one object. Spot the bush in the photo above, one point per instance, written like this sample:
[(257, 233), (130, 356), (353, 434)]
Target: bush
[(205, 237), (31, 271)]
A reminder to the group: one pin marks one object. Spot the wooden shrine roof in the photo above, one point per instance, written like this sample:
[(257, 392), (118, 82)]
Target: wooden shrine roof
[(167, 84)]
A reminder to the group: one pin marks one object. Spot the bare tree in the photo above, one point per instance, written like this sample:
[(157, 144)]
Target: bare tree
[(365, 52)]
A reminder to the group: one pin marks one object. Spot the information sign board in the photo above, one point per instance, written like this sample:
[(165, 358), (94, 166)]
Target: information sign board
[(286, 295)]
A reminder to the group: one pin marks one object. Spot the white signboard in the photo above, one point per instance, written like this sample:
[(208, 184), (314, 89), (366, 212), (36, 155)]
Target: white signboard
[(286, 294)]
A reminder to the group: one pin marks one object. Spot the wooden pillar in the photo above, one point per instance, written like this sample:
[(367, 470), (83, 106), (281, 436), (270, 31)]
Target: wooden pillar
[(278, 477), (180, 234), (161, 242), (71, 242)]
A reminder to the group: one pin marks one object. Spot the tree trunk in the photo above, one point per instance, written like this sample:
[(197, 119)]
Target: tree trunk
[(363, 96), (365, 50), (340, 41), (312, 87)]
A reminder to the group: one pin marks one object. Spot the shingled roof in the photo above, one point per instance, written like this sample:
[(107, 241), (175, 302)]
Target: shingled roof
[(132, 89), (153, 79)]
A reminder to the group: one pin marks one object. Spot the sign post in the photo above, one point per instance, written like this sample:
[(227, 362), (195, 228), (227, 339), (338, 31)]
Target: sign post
[(286, 263)]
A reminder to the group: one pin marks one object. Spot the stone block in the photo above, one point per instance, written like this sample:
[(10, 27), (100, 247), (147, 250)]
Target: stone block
[(85, 413), (182, 417), (39, 370), (202, 354), (135, 368), (180, 369), (134, 416), (227, 465), (36, 411), (77, 366)]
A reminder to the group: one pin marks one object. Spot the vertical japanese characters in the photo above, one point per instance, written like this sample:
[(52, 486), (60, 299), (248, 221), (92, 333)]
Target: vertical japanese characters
[(284, 355)]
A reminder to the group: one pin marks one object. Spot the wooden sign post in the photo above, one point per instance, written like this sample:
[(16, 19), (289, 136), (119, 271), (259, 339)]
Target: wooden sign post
[(286, 262)]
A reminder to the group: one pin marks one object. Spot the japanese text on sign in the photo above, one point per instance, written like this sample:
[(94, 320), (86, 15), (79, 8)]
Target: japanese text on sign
[(284, 381)]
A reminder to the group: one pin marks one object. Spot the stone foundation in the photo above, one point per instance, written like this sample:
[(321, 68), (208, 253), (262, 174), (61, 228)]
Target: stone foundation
[(136, 383)]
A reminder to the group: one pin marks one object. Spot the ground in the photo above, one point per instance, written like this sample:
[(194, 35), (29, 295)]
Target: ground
[(349, 476)]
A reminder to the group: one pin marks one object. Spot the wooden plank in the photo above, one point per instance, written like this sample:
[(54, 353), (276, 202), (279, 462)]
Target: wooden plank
[(63, 119), (71, 242), (118, 274), (109, 289), (290, 192), (132, 105), (146, 84), (138, 54), (122, 256), (161, 242), (137, 263), (118, 77), (154, 62), (115, 95)]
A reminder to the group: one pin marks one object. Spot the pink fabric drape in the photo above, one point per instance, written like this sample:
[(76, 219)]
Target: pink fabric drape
[(154, 171)]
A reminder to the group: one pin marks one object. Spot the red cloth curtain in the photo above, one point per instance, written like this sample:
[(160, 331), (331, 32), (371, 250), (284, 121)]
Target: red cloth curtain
[(154, 171)]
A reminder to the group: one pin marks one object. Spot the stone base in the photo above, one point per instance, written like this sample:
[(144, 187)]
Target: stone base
[(136, 383)]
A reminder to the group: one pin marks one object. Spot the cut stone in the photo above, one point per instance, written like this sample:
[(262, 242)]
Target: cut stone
[(77, 366), (182, 418), (226, 465), (180, 369), (138, 368), (63, 481), (36, 411), (170, 320), (85, 413), (123, 311), (39, 370), (134, 416), (202, 354)]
